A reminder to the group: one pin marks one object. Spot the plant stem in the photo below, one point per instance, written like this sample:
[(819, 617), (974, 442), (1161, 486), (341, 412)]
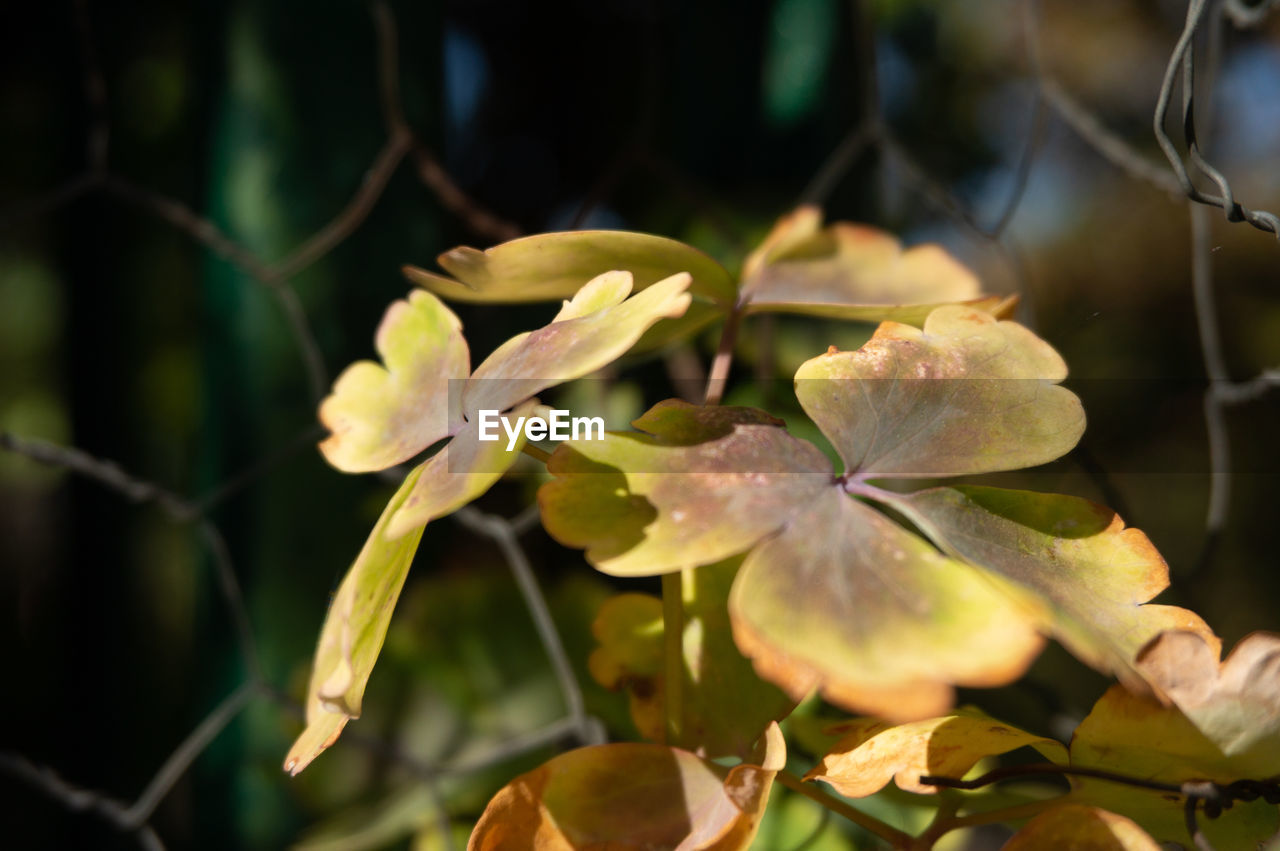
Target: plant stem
[(718, 377), (892, 835), (673, 653), (535, 452)]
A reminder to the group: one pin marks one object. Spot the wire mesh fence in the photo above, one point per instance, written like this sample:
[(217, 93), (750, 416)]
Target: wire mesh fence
[(873, 141)]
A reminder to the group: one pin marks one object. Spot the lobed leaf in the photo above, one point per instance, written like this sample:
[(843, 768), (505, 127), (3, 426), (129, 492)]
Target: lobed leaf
[(379, 415), (701, 485), (872, 752), (967, 394), (634, 796), (847, 601), (853, 272), (1235, 704), (1076, 555), (1077, 826), (353, 632), (599, 325), (551, 266)]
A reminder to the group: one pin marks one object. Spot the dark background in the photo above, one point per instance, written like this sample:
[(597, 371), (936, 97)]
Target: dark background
[(125, 332)]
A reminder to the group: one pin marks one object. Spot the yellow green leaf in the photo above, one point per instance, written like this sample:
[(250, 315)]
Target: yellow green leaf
[(632, 796), (381, 415), (967, 394), (848, 601), (599, 325), (1072, 826), (551, 266), (353, 632), (461, 471), (1094, 573), (872, 752)]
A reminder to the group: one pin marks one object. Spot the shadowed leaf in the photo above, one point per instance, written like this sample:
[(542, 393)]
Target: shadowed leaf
[(380, 416), (871, 752), (551, 266), (725, 704), (1077, 555), (353, 632), (632, 796), (846, 600), (966, 395), (1078, 828)]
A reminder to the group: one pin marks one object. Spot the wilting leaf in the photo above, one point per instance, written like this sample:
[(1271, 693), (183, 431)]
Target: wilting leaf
[(1074, 826), (550, 266), (1236, 705), (1076, 555), (966, 395), (848, 271), (871, 752), (846, 600), (353, 632), (632, 796), (380, 416), (591, 331), (720, 479), (725, 705), (1136, 736)]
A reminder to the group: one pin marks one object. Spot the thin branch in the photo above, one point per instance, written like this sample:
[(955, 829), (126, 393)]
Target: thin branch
[(500, 531), (890, 834), (718, 375), (185, 754), (78, 799)]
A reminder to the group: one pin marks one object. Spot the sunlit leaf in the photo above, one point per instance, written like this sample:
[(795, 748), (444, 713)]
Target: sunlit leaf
[(353, 633), (700, 485), (871, 752), (1077, 555), (966, 394), (846, 600), (632, 796), (1235, 704), (1075, 826), (1137, 736), (591, 331), (464, 469), (848, 271), (725, 705), (552, 266), (382, 415)]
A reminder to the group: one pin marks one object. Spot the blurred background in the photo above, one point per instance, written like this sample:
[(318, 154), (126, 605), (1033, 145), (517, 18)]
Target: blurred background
[(203, 212)]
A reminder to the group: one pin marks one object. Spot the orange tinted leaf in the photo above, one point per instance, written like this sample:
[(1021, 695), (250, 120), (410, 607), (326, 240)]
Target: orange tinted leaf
[(967, 394), (872, 752), (847, 601), (1072, 827), (633, 796), (848, 271)]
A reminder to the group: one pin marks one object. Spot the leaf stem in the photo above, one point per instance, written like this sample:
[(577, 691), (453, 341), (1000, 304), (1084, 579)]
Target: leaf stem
[(673, 654), (895, 837), (536, 452), (718, 376)]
